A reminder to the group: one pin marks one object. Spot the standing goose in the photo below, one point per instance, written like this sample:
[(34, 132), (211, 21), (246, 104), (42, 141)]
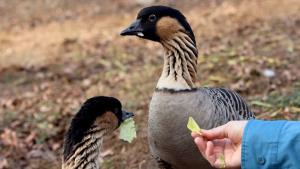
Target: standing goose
[(176, 97), (97, 117)]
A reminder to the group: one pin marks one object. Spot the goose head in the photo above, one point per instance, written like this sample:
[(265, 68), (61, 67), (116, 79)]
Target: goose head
[(159, 23), (102, 111)]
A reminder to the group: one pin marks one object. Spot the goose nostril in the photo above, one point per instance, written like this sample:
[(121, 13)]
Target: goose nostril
[(131, 27)]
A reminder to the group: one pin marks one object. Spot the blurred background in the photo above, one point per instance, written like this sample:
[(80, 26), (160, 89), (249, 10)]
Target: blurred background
[(54, 54)]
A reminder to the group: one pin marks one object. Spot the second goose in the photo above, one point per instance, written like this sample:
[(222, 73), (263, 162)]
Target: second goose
[(99, 116)]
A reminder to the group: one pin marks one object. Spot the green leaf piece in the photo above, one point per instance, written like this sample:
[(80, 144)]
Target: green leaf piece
[(128, 130), (192, 125), (222, 159)]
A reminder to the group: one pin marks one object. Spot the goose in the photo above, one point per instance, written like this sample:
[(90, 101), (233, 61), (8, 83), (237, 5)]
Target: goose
[(97, 117), (176, 97)]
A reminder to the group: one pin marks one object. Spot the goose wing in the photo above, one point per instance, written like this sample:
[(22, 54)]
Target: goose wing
[(229, 104)]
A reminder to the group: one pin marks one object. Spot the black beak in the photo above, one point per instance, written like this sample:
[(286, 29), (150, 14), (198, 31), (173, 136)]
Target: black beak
[(134, 29), (126, 115)]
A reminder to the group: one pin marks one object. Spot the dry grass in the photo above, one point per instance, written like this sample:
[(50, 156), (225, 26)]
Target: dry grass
[(41, 44)]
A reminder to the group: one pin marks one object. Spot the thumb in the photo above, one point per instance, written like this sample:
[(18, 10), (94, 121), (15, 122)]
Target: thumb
[(215, 133)]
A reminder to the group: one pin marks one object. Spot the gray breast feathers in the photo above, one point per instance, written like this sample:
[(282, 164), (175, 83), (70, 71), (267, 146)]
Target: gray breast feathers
[(169, 111)]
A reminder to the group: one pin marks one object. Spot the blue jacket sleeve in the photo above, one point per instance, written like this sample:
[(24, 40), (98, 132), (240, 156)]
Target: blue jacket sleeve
[(271, 145)]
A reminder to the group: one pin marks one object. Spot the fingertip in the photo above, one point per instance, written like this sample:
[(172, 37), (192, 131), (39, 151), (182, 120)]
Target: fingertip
[(210, 147), (210, 143), (200, 144), (197, 140), (194, 135)]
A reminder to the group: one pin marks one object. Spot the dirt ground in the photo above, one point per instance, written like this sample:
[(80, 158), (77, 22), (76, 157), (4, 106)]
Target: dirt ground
[(55, 54)]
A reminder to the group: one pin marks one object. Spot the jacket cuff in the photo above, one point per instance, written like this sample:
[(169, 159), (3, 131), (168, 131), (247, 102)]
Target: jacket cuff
[(260, 143)]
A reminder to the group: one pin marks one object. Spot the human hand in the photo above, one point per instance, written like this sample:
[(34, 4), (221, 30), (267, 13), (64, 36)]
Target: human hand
[(221, 146)]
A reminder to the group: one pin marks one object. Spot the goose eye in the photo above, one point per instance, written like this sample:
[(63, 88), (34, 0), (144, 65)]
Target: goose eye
[(117, 111), (152, 18)]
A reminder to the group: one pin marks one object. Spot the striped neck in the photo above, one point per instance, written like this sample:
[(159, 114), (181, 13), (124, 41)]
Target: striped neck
[(86, 154), (180, 62)]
